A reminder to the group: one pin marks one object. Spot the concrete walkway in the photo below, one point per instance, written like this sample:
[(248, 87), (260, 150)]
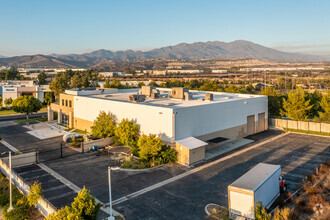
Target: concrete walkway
[(195, 170), (221, 149)]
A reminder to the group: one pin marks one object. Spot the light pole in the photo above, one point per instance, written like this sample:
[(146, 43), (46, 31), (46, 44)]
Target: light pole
[(10, 188), (111, 217)]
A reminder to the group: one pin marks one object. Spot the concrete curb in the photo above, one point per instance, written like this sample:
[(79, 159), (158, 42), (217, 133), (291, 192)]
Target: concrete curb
[(140, 170)]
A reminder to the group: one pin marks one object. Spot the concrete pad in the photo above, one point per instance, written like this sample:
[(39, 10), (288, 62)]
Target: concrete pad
[(224, 148), (45, 133)]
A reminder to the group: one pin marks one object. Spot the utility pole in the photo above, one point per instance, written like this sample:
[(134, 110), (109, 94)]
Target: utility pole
[(111, 217), (10, 187)]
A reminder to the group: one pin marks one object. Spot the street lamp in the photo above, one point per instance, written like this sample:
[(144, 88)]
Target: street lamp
[(111, 217), (10, 188)]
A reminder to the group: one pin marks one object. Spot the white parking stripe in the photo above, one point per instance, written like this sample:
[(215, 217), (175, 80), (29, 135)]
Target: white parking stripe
[(10, 147)]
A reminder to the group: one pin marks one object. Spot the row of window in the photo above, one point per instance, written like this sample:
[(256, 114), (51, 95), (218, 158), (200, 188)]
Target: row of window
[(67, 103)]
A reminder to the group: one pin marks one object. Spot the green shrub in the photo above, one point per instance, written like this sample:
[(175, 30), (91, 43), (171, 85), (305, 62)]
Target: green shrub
[(42, 119), (4, 199), (135, 166), (141, 165), (20, 210), (261, 212), (168, 155), (126, 164)]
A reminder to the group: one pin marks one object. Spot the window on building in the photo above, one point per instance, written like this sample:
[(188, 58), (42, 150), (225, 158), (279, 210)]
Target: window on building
[(63, 102), (70, 103), (66, 103)]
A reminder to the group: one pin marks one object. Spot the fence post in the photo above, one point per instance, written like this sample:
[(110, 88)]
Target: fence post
[(37, 155), (61, 150)]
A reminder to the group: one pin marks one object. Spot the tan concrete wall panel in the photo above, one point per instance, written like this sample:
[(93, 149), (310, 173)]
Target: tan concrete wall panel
[(292, 124), (82, 124), (230, 133), (325, 127), (314, 126)]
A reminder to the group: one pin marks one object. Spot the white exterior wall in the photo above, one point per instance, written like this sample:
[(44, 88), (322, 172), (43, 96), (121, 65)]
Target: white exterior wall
[(8, 92), (268, 191), (204, 119), (152, 119)]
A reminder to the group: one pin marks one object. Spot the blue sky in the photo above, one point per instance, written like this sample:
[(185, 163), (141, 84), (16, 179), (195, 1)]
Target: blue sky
[(72, 26)]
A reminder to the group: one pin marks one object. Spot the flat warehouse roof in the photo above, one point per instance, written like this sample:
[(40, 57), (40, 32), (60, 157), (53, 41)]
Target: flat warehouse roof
[(164, 100), (254, 177)]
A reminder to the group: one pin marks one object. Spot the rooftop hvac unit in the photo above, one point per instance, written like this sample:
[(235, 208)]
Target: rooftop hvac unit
[(137, 98)]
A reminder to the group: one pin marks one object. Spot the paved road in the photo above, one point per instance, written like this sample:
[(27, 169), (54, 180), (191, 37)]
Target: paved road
[(21, 116), (186, 198)]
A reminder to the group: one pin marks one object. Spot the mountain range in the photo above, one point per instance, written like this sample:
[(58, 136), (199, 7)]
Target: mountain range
[(195, 51)]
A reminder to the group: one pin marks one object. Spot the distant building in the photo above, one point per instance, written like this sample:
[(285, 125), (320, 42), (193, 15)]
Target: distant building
[(219, 71), (159, 72), (112, 74), (15, 89), (185, 71)]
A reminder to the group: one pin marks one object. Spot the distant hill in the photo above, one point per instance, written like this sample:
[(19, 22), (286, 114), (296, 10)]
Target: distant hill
[(2, 56), (194, 51)]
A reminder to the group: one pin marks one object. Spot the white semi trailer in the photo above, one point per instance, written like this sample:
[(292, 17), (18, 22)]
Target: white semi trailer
[(260, 184)]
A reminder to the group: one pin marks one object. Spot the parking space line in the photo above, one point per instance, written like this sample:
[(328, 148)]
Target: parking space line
[(53, 188), (36, 177), (197, 169), (60, 196), (9, 146), (26, 172)]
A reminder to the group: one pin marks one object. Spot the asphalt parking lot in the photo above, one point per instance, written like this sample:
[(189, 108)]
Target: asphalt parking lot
[(184, 198)]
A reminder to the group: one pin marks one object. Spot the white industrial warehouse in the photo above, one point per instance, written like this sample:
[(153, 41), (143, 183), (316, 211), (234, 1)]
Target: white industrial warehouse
[(177, 115)]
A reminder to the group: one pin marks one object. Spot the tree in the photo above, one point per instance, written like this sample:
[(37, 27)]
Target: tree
[(274, 101), (261, 213), (35, 194), (296, 106), (42, 78), (324, 114), (26, 104), (8, 102), (140, 84), (49, 98), (127, 133), (60, 83), (315, 99), (104, 125), (82, 208), (106, 84), (149, 146), (75, 81)]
